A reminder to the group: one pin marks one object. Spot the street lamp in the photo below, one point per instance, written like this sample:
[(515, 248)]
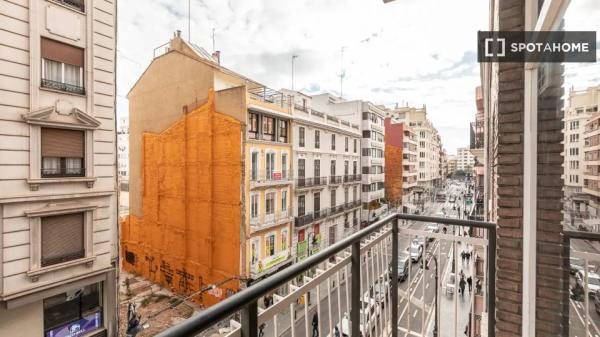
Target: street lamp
[(435, 325)]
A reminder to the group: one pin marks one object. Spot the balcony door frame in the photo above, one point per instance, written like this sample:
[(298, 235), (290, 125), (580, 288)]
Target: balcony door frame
[(550, 16)]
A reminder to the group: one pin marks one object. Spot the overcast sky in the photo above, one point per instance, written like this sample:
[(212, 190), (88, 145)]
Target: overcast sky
[(412, 52)]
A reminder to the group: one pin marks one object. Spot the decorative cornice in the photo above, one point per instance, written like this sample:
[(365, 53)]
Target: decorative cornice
[(73, 118)]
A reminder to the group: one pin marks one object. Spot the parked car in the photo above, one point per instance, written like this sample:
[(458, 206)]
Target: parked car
[(369, 318), (379, 291), (432, 228), (593, 282), (597, 302), (451, 284), (402, 266)]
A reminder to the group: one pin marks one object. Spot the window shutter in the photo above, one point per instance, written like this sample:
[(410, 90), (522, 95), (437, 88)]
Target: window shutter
[(62, 238), (62, 143), (61, 52)]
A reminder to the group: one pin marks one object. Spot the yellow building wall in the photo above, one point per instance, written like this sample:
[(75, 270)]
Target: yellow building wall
[(189, 234)]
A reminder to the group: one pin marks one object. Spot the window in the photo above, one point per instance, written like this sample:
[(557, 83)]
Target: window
[(301, 136), (333, 142), (255, 250), (346, 145), (284, 239), (346, 167), (268, 128), (283, 131), (355, 145), (253, 121), (301, 168), (354, 167), (270, 203), (62, 238), (422, 144), (270, 165), (574, 138), (284, 165), (346, 195), (366, 134), (574, 125), (421, 154), (62, 67), (62, 153), (76, 4), (317, 201), (301, 205), (270, 245), (284, 200), (254, 166), (333, 193), (81, 307), (317, 168), (422, 164), (422, 134), (317, 139), (354, 193), (254, 206), (332, 168), (332, 235)]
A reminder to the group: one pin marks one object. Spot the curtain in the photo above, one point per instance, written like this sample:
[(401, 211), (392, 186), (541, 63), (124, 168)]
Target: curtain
[(72, 75), (53, 70), (50, 165)]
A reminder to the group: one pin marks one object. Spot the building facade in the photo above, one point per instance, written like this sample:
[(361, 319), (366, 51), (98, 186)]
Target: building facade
[(401, 161), (210, 183), (591, 175), (327, 178), (370, 119), (58, 200), (123, 154), (580, 107), (465, 160)]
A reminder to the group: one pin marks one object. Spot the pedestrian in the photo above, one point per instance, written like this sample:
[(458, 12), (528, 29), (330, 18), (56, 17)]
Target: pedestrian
[(462, 275), (461, 284), (315, 325), (337, 331), (463, 255), (266, 301), (470, 283), (261, 330), (468, 256), (478, 286)]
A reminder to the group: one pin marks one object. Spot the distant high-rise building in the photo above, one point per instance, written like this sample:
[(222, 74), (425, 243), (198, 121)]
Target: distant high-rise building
[(465, 160)]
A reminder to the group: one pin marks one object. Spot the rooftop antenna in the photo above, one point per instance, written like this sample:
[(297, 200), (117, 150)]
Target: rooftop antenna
[(294, 56), (342, 73), (213, 39)]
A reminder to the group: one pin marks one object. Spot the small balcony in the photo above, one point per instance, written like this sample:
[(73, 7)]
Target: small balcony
[(321, 214), (303, 220), (304, 183), (335, 179), (54, 85), (264, 221), (267, 98), (269, 178), (319, 181), (62, 172), (373, 264)]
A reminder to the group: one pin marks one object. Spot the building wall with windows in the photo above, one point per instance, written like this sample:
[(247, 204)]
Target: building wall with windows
[(58, 201), (327, 177), (465, 160), (580, 107), (591, 175), (370, 119)]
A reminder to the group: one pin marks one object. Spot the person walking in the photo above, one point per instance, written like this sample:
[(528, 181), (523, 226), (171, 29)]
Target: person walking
[(461, 284), (470, 283), (315, 325)]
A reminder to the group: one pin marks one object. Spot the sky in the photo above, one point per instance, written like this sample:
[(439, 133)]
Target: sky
[(407, 52)]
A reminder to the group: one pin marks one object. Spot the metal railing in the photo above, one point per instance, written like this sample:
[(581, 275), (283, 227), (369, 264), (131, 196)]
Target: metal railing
[(63, 87), (342, 268), (335, 179), (264, 176), (303, 220), (269, 95), (62, 172)]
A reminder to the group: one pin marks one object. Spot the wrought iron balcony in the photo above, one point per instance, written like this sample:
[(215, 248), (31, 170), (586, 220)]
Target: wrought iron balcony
[(321, 214), (319, 181), (61, 172), (335, 179), (269, 177), (63, 87), (357, 287), (304, 220), (304, 182)]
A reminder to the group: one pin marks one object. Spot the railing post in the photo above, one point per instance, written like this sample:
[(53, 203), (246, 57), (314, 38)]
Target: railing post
[(394, 284), (491, 282), (355, 308), (250, 320)]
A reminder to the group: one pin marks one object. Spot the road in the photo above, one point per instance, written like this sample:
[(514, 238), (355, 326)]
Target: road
[(413, 291)]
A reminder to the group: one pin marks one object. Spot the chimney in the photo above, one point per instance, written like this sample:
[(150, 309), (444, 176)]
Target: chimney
[(178, 33), (217, 56)]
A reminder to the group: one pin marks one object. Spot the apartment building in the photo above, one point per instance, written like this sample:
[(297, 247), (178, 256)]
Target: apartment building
[(370, 119), (591, 175), (123, 154), (465, 160), (401, 162), (452, 164), (210, 189), (327, 178), (580, 107), (429, 145), (58, 200)]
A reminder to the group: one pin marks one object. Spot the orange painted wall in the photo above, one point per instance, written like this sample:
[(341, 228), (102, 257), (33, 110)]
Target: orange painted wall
[(189, 234)]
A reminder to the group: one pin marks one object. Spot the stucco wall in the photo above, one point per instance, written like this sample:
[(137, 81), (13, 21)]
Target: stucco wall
[(189, 234)]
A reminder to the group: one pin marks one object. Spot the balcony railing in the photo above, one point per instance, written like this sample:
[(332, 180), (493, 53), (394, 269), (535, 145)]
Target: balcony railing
[(320, 181), (62, 172), (335, 179), (269, 177), (304, 220), (63, 87), (321, 214), (269, 95), (360, 276), (304, 182)]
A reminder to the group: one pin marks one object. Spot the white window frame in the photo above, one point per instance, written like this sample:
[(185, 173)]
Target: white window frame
[(267, 236), (62, 73), (257, 240), (253, 196)]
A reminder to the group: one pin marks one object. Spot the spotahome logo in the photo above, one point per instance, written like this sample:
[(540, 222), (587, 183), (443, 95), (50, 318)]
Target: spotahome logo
[(536, 46)]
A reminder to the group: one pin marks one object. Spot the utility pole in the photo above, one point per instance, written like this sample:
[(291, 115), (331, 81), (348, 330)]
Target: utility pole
[(435, 324), (293, 58)]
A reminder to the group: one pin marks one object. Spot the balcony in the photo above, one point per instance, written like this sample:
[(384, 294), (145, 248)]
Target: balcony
[(303, 220), (269, 178), (335, 179), (304, 182), (321, 214), (267, 98), (364, 265), (54, 85), (265, 221), (62, 172)]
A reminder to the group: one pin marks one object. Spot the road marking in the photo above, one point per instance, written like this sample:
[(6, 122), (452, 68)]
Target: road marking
[(415, 314), (427, 286)]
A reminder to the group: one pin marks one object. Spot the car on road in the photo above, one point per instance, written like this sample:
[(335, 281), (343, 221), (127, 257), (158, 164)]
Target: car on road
[(432, 228), (415, 250), (452, 198), (451, 284), (402, 266), (379, 291), (593, 283), (369, 318), (575, 265)]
